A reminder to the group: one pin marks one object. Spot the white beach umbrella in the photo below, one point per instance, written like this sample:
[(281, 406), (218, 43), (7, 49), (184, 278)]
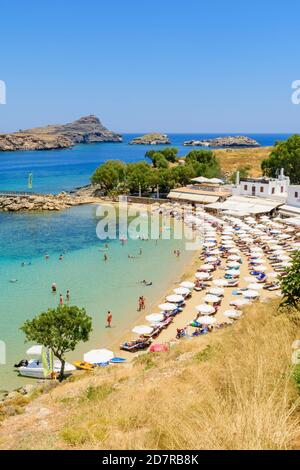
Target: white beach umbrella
[(202, 276), (239, 302), (35, 350), (254, 286), (209, 298), (250, 294), (233, 258), (99, 356), (142, 330), (175, 298), (233, 272), (232, 314), (167, 307), (188, 284), (211, 259), (207, 267), (205, 320), (234, 251), (220, 282), (216, 291), (155, 317), (205, 309), (182, 291), (233, 264)]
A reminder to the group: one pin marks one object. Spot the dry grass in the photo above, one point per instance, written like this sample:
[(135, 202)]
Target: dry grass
[(230, 390), (232, 159)]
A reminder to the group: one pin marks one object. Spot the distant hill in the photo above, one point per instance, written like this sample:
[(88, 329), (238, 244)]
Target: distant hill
[(86, 130)]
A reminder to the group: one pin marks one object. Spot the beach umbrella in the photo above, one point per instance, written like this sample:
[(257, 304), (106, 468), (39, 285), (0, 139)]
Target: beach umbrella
[(205, 320), (261, 268), (254, 286), (209, 298), (211, 259), (220, 282), (207, 267), (216, 291), (233, 272), (209, 244), (239, 302), (232, 314), (142, 330), (233, 264), (234, 251), (155, 317), (188, 284), (35, 350), (205, 309), (99, 356), (202, 276), (175, 298), (182, 291), (233, 258), (167, 307), (250, 294), (215, 252)]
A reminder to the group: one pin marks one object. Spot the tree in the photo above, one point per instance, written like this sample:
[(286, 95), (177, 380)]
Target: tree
[(60, 330), (201, 156), (290, 284), (183, 174), (243, 171), (109, 175), (170, 154), (138, 176), (285, 155)]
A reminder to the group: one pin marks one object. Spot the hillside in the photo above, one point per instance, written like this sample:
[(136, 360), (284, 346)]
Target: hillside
[(86, 130), (231, 159), (233, 389)]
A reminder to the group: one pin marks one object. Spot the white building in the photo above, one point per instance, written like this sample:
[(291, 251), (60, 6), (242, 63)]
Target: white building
[(276, 188), (292, 206)]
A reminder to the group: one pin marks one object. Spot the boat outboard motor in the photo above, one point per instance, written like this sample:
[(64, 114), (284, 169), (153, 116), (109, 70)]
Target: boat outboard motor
[(22, 363)]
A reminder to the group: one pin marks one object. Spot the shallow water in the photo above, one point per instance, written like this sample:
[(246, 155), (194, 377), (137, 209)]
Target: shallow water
[(93, 283)]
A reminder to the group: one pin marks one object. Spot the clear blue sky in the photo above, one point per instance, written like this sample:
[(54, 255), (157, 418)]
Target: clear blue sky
[(169, 65)]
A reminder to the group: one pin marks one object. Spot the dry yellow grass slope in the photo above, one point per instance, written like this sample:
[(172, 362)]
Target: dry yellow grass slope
[(229, 390), (232, 159)]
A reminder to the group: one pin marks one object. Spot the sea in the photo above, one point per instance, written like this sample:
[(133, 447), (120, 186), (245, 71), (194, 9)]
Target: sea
[(26, 275)]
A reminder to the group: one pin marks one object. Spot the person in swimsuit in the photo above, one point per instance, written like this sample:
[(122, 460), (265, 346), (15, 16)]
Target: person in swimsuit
[(109, 319)]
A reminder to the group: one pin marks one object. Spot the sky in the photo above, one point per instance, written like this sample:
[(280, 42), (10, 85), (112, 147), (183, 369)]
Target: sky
[(168, 66)]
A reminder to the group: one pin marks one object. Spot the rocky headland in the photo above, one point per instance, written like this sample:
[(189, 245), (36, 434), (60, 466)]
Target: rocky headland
[(224, 142), (85, 130), (151, 139)]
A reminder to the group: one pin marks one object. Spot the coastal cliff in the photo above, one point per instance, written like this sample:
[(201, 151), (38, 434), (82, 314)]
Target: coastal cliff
[(151, 139), (85, 130), (225, 142)]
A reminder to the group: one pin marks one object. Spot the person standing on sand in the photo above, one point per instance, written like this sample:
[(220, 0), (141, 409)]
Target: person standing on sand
[(61, 300), (140, 304), (109, 319), (143, 300)]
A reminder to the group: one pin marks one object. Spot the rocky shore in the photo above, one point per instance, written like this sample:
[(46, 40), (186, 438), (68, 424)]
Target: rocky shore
[(85, 130), (39, 202), (151, 139), (224, 142)]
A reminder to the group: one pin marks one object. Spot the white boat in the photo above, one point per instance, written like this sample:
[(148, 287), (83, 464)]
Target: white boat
[(35, 369)]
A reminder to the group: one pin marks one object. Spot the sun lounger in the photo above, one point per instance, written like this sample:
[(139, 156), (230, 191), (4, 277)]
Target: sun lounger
[(135, 345)]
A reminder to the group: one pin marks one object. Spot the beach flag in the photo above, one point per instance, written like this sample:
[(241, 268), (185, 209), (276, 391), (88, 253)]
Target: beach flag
[(30, 178), (47, 360)]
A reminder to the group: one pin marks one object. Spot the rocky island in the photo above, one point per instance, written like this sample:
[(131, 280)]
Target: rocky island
[(85, 130), (224, 142), (151, 139)]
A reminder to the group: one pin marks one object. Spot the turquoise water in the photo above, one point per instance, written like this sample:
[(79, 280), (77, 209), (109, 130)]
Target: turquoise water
[(93, 283), (54, 170)]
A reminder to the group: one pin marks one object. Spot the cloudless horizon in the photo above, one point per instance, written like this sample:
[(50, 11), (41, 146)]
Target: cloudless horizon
[(171, 66)]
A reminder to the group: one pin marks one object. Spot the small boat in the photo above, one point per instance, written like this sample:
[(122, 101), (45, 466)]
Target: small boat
[(82, 365), (34, 368)]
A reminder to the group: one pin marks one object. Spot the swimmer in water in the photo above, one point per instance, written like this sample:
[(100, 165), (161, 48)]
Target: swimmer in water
[(13, 280), (61, 257), (46, 256), (105, 257), (53, 287), (68, 296), (61, 300)]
